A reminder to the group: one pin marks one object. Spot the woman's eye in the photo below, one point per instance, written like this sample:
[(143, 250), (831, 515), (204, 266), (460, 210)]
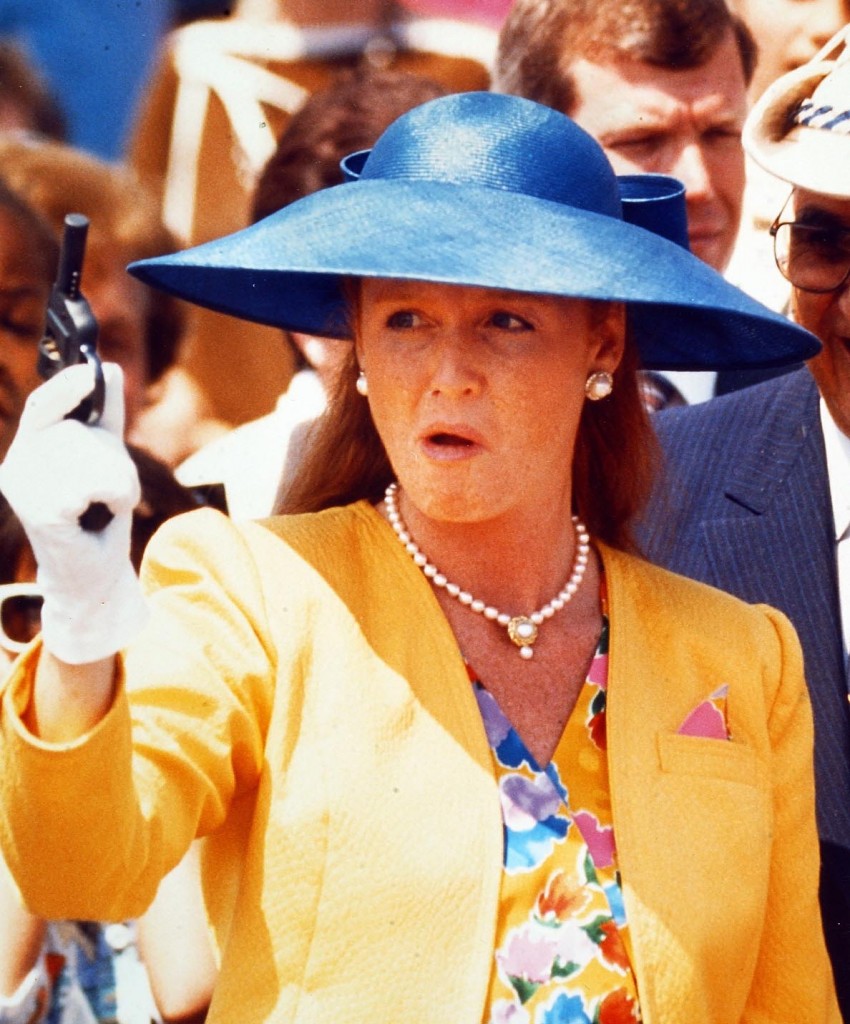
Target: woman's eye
[(505, 321), (403, 320)]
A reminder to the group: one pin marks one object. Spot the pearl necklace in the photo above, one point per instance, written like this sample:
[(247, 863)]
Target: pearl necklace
[(523, 630)]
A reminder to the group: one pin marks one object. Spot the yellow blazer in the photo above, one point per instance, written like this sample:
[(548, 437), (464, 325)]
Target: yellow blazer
[(299, 699)]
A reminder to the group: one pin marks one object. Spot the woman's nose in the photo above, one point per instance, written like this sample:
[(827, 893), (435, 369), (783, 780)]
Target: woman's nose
[(454, 370)]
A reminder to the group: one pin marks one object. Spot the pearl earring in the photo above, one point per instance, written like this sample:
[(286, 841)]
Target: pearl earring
[(599, 385), (362, 384)]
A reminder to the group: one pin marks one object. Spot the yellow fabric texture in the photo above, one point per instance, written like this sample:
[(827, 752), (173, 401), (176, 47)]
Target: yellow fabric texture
[(299, 698)]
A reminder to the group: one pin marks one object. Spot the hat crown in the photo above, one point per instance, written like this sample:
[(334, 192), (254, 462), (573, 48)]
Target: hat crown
[(488, 191), (484, 139)]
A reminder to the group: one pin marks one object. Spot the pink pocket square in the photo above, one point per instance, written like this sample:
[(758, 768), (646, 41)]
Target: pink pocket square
[(708, 719)]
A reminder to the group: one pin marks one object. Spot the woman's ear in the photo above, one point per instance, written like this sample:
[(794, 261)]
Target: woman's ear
[(610, 335)]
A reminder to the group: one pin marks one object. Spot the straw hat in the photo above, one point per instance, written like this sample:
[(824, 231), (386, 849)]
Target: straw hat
[(491, 191), (799, 130)]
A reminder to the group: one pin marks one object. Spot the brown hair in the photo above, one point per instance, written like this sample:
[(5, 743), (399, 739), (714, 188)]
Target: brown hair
[(613, 466), (616, 457), (345, 460), (55, 179), (24, 91), (540, 39)]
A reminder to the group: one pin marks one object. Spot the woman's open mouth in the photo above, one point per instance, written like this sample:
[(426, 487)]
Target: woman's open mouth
[(450, 439), (450, 444)]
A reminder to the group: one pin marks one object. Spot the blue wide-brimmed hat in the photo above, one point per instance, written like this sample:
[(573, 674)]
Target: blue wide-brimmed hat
[(493, 191)]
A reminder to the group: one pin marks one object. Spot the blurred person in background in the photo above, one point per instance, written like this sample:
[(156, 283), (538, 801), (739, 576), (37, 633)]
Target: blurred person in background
[(95, 58), (26, 102), (659, 84), (788, 33)]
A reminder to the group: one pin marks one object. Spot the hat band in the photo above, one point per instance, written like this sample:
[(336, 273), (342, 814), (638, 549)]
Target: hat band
[(825, 117)]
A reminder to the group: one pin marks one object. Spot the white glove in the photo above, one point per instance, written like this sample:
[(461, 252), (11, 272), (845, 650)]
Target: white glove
[(55, 468)]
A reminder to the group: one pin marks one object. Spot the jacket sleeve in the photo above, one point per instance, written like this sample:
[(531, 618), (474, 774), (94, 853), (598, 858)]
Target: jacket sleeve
[(793, 980), (89, 828)]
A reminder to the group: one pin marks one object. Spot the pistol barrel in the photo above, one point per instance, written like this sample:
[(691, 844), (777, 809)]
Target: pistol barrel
[(73, 248)]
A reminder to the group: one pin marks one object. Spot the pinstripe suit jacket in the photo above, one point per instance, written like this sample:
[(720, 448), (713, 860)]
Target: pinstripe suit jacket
[(743, 503)]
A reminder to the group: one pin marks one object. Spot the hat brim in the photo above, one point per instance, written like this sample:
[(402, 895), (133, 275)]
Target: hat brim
[(287, 270), (808, 158)]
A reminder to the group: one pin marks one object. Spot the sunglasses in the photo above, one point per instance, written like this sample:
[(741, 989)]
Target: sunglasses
[(20, 615), (813, 255)]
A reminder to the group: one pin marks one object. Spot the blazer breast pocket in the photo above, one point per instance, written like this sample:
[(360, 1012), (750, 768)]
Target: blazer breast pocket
[(710, 758)]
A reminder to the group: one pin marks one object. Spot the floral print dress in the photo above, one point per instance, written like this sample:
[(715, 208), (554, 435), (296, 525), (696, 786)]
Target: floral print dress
[(562, 946)]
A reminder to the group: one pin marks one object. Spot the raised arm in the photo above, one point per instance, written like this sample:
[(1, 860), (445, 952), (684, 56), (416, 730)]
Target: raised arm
[(69, 700)]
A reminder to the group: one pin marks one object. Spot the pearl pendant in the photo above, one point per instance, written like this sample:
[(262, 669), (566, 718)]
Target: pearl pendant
[(521, 629)]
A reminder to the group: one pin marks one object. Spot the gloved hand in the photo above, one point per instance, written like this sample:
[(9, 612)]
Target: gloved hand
[(55, 468)]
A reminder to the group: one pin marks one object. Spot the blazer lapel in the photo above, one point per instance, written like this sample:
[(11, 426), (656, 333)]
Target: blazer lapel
[(766, 459)]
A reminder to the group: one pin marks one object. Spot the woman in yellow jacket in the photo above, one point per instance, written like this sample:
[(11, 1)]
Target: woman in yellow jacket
[(458, 756)]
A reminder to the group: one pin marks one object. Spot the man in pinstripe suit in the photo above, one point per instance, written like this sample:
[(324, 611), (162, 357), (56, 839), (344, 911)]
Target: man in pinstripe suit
[(755, 497)]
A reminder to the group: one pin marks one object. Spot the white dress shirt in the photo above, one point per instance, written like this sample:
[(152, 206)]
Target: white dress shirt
[(251, 459), (838, 469), (695, 386)]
